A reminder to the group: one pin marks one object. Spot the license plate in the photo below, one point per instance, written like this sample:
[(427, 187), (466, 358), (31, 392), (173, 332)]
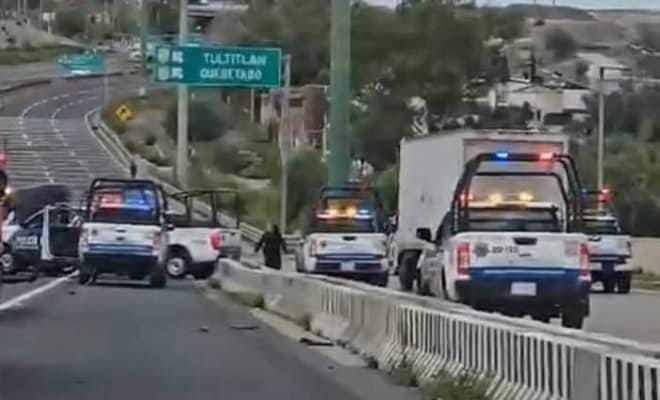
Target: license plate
[(348, 266), (523, 289)]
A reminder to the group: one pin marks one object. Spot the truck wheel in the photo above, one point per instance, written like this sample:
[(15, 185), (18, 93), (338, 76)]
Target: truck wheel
[(84, 275), (7, 261), (423, 287), (177, 264), (572, 318), (381, 280), (608, 284), (407, 271), (623, 283), (158, 277)]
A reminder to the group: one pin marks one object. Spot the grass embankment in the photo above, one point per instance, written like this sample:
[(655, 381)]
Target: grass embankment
[(24, 55)]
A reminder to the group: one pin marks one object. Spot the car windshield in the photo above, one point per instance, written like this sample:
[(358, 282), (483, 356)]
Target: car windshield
[(346, 215), (601, 227), (511, 220), (124, 206)]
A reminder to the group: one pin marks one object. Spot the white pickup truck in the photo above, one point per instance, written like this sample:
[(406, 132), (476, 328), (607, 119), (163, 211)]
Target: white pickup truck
[(200, 237), (609, 252), (511, 241), (346, 237)]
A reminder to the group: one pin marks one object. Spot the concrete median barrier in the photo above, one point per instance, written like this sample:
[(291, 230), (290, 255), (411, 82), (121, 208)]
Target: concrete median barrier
[(519, 362)]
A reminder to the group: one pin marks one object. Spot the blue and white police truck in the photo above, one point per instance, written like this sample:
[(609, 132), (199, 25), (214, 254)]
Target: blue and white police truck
[(125, 231), (345, 237)]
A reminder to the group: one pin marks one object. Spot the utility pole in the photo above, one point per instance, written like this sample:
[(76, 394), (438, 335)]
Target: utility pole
[(340, 92), (182, 135), (601, 129), (285, 140)]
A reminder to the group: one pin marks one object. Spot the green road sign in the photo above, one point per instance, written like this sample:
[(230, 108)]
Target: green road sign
[(82, 63), (219, 66)]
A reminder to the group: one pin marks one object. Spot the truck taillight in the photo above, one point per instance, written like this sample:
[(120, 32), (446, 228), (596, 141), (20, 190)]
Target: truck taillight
[(313, 248), (463, 260), (585, 272), (216, 240)]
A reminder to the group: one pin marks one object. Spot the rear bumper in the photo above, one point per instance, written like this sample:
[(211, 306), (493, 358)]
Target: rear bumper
[(553, 291), (119, 263), (350, 267), (607, 260)]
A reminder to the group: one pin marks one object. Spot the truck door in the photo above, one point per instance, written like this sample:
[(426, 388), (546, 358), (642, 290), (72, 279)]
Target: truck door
[(26, 242), (64, 233)]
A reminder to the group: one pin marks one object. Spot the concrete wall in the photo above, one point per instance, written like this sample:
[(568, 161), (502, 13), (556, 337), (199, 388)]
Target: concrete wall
[(646, 254)]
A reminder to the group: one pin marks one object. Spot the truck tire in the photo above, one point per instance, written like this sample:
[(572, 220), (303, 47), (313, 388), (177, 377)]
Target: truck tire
[(84, 275), (624, 283), (408, 271), (572, 317), (608, 284), (381, 280), (158, 277), (177, 264)]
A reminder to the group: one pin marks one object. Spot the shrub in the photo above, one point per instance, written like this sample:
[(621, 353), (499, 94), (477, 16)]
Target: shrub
[(560, 43), (462, 387), (150, 140), (205, 123), (581, 69), (307, 174), (403, 374), (70, 21)]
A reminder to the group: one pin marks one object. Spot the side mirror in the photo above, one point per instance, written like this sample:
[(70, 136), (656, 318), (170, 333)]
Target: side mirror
[(424, 234), (170, 227)]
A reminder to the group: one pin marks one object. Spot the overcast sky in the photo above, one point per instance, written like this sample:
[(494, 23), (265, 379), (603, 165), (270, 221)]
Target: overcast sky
[(655, 4)]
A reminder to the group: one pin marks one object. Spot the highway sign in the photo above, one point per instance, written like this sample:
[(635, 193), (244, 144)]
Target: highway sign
[(124, 113), (82, 63), (219, 66)]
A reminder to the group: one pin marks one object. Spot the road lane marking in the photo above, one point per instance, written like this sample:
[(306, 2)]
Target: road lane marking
[(18, 300)]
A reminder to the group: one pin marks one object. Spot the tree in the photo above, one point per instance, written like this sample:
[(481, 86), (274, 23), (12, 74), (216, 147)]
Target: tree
[(306, 170), (205, 123), (379, 128), (70, 21), (560, 43)]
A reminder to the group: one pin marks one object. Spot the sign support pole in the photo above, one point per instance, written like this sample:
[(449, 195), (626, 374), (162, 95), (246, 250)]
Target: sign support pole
[(182, 128), (285, 143)]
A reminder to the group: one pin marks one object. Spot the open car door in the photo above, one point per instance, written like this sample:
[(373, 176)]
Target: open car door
[(61, 235)]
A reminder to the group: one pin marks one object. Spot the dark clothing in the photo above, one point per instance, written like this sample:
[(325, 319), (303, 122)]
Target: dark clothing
[(272, 245)]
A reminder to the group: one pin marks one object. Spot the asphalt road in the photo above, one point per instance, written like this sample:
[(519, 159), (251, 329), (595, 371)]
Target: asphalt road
[(126, 341), (47, 138)]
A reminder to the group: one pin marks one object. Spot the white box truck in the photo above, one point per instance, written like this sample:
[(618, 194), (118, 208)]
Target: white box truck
[(429, 169)]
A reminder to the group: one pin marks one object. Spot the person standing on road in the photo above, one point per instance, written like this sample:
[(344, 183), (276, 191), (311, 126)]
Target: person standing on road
[(272, 244), (133, 169)]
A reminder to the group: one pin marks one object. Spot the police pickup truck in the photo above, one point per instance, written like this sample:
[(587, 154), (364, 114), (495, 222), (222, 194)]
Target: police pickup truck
[(609, 251), (200, 237), (346, 237), (511, 241), (124, 232)]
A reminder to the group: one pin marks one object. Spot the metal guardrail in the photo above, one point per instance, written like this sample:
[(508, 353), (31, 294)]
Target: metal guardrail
[(117, 150), (519, 362)]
